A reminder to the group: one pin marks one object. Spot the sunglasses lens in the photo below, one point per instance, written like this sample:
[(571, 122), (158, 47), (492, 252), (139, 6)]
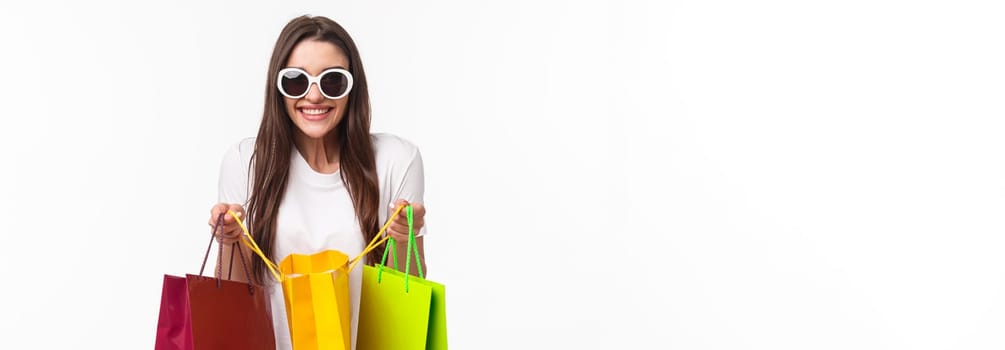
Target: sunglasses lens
[(334, 84), (293, 83)]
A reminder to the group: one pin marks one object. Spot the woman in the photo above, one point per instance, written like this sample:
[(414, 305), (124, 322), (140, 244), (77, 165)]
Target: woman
[(315, 178)]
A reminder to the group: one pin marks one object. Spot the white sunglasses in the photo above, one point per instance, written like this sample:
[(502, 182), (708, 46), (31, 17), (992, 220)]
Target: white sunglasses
[(334, 83)]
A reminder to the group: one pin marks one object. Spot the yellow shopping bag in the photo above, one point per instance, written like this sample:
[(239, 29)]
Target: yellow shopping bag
[(316, 291)]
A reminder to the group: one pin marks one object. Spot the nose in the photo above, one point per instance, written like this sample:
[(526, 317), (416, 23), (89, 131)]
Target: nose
[(314, 94)]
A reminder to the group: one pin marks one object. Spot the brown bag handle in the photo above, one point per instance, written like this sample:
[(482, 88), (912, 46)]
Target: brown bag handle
[(233, 246)]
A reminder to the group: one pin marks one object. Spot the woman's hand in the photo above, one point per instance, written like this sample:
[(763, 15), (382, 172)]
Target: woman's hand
[(399, 226), (230, 232), (399, 231)]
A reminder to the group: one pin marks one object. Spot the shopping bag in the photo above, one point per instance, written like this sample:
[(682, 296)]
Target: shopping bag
[(201, 312), (316, 291), (400, 311)]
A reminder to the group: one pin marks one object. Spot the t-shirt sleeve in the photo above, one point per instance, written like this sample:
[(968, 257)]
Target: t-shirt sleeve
[(411, 186), (233, 183)]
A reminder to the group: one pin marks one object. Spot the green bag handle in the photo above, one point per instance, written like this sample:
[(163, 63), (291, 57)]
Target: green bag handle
[(412, 246)]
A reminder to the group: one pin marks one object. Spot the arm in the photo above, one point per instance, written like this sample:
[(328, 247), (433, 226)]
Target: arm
[(410, 190), (233, 193)]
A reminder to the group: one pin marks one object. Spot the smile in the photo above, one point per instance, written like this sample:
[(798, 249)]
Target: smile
[(314, 114), (315, 111)]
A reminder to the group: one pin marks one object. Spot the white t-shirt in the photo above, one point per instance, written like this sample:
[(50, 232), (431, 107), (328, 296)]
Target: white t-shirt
[(317, 214)]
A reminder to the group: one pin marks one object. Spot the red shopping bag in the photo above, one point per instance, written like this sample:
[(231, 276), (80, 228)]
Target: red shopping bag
[(201, 312)]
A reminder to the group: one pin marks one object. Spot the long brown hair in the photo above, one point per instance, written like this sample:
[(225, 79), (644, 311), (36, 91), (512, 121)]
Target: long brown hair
[(273, 146)]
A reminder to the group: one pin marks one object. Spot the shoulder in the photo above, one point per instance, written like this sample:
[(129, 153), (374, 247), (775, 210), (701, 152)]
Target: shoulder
[(240, 152), (245, 145), (390, 148), (233, 182)]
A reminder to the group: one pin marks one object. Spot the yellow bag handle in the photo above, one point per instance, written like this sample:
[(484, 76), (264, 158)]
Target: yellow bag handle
[(274, 269), (250, 242), (376, 241)]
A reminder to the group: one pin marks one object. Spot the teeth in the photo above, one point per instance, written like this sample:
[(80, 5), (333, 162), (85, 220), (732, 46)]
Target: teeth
[(316, 111)]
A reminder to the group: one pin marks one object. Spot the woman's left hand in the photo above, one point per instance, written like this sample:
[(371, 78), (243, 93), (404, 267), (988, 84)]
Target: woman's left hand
[(399, 226)]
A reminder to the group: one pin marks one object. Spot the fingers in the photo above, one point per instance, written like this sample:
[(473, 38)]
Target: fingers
[(231, 236), (223, 208), (237, 209), (399, 226), (230, 230), (418, 215), (400, 223), (418, 210), (398, 230), (218, 208), (215, 211), (398, 203)]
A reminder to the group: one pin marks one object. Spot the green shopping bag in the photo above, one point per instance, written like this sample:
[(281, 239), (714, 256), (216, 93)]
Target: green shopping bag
[(398, 311)]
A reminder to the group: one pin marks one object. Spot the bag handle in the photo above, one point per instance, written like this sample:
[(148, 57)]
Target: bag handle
[(412, 245), (212, 235), (250, 243), (377, 240), (274, 269), (219, 273)]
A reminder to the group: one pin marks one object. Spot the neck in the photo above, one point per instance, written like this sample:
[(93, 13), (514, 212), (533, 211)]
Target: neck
[(322, 154)]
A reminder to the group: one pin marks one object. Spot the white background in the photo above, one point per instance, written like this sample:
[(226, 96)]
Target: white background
[(674, 174)]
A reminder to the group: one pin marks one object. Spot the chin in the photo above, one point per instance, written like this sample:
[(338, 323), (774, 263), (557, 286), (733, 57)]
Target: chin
[(315, 129), (315, 132)]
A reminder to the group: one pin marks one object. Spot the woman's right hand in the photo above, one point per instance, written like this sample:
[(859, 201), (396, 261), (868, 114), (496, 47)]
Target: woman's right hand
[(230, 232)]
